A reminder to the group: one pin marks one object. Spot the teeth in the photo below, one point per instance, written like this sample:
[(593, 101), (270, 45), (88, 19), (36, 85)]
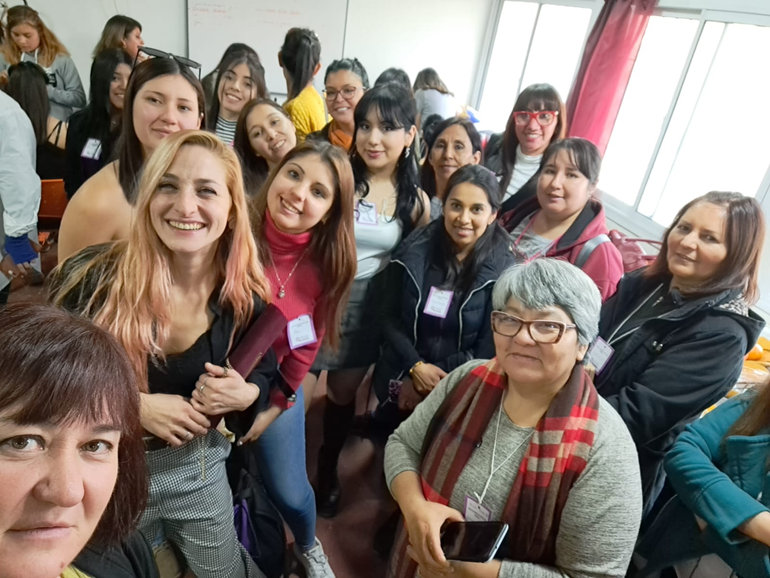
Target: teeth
[(186, 226), (278, 145), (290, 208)]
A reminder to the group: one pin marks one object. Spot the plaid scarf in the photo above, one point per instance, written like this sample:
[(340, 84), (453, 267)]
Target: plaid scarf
[(556, 456)]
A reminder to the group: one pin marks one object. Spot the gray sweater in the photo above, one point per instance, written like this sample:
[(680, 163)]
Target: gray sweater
[(600, 521)]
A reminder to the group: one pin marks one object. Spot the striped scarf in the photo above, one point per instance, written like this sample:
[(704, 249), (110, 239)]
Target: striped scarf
[(556, 456)]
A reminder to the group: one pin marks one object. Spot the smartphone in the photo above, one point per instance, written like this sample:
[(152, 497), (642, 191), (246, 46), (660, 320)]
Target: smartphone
[(472, 541)]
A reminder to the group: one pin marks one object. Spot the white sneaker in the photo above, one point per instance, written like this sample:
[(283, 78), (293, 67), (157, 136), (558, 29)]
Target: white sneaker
[(314, 561)]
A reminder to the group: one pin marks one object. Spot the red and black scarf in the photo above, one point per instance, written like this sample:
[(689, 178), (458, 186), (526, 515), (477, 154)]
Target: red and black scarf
[(556, 456)]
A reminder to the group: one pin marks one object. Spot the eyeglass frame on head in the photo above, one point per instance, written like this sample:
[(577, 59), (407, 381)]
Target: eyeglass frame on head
[(534, 115), (156, 53), (562, 326), (342, 92)]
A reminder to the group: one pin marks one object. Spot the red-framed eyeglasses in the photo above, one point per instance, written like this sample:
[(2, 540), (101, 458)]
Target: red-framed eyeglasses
[(543, 117)]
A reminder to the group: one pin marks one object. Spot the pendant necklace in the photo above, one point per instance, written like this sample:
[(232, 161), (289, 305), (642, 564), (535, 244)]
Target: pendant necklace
[(282, 284)]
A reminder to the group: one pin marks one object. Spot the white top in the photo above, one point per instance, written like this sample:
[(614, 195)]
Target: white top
[(374, 242), (431, 101), (523, 169)]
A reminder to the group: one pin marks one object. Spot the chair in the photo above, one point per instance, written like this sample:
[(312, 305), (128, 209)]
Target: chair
[(53, 201)]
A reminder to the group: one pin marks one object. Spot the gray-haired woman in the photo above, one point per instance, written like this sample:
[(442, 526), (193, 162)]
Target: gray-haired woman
[(462, 452)]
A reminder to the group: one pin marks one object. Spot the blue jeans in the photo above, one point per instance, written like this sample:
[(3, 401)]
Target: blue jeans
[(280, 453)]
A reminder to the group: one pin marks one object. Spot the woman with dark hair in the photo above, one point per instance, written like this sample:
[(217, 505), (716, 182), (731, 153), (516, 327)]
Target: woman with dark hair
[(447, 271), (120, 32), (263, 136), (675, 333), (454, 143), (432, 96), (346, 81), (390, 205), (300, 59), (564, 218), (397, 75), (162, 97), (209, 81), (539, 118), (241, 78), (71, 456), (93, 131)]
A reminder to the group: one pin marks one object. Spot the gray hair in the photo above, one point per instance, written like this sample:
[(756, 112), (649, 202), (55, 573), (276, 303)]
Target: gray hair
[(544, 283)]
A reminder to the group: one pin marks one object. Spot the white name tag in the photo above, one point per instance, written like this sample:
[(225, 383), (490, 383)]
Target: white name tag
[(366, 213), (599, 354), (438, 302), (475, 512), (93, 149), (301, 332)]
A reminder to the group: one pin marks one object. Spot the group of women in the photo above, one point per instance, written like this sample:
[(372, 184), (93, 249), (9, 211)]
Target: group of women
[(468, 289)]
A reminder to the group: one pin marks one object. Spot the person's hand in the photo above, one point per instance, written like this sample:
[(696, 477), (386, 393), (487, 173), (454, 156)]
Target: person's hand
[(426, 376), (423, 522), (221, 390), (261, 423), (464, 570), (172, 418), (408, 398)]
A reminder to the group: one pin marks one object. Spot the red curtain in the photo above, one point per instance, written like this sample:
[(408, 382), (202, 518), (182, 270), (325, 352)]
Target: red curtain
[(608, 60)]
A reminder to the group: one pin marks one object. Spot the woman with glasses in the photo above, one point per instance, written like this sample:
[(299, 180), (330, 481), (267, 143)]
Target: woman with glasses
[(564, 219), (538, 118), (481, 447), (346, 81), (163, 97), (300, 59)]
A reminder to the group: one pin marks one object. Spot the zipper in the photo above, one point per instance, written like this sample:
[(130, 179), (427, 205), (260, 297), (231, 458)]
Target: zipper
[(460, 336), (419, 298)]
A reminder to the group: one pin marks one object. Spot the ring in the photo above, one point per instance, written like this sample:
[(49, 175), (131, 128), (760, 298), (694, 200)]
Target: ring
[(201, 388), (225, 368), (189, 435)]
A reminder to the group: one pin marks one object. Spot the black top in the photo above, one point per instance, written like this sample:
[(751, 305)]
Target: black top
[(79, 168), (51, 162)]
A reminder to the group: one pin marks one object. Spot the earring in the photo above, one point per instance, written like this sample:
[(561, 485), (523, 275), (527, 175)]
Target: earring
[(406, 154)]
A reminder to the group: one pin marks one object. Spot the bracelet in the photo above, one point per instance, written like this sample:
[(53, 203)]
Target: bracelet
[(415, 366)]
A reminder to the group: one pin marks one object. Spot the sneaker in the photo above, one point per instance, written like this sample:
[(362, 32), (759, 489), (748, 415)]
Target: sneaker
[(314, 561)]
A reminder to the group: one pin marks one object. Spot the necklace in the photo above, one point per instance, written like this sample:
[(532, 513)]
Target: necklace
[(282, 284)]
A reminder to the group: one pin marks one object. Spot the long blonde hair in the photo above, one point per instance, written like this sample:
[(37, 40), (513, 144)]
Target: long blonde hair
[(127, 287), (50, 46)]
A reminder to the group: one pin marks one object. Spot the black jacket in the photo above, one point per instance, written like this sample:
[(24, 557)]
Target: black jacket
[(79, 169), (134, 559), (472, 338), (673, 367), (322, 135), (493, 160)]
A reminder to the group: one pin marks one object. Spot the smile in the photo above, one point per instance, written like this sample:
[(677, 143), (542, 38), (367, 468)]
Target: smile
[(277, 145), (342, 109), (232, 97), (185, 226), (289, 208), (374, 154), (684, 258)]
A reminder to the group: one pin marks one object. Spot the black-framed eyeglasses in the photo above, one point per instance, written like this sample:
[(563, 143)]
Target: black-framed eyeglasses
[(540, 330), (155, 53), (347, 93)]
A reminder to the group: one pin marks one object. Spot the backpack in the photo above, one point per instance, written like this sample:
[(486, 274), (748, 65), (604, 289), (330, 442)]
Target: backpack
[(631, 250)]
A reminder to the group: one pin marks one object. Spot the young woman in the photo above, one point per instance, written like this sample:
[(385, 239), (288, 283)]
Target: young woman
[(677, 331), (27, 86), (564, 215), (209, 81), (346, 81), (30, 40), (300, 59), (92, 132), (241, 78), (447, 272), (177, 294), (390, 205), (454, 143), (121, 32), (304, 225), (432, 96), (539, 118), (162, 97), (263, 136)]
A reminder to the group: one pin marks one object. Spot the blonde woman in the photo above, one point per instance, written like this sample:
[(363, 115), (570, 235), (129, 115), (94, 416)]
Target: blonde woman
[(176, 293)]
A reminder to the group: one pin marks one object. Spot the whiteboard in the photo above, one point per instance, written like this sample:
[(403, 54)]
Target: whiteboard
[(212, 25)]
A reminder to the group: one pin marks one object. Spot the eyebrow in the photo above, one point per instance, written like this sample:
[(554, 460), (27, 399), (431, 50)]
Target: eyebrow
[(200, 182), (97, 429), (297, 166)]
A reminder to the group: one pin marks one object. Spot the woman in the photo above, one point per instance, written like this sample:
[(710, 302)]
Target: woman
[(71, 457), (718, 467), (177, 293), (397, 75), (241, 78), (390, 205), (305, 225), (162, 97), (564, 218), (263, 136), (209, 81), (121, 32), (300, 59), (454, 143), (27, 86), (576, 516), (432, 96), (346, 81), (539, 118), (93, 131), (30, 40), (448, 269), (677, 331)]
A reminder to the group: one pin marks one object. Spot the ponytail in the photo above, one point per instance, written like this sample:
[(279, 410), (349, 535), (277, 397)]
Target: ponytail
[(300, 54)]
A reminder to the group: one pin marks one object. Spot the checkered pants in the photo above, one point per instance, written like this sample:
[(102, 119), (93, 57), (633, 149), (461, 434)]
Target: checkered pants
[(191, 503)]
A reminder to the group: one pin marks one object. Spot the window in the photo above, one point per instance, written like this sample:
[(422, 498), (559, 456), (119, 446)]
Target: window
[(534, 42)]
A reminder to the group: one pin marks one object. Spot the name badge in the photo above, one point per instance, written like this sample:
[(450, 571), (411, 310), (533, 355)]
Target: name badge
[(366, 213), (475, 512), (438, 302), (301, 332), (599, 354), (93, 149)]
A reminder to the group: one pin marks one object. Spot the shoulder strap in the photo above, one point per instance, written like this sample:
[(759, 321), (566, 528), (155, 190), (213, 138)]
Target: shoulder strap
[(588, 248)]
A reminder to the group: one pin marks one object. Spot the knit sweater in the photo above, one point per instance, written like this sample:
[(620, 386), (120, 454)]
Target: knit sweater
[(302, 291), (307, 112)]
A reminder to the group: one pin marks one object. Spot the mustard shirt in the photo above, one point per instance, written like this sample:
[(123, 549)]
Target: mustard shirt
[(307, 112)]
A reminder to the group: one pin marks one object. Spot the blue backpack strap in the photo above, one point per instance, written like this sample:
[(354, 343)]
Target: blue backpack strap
[(589, 247)]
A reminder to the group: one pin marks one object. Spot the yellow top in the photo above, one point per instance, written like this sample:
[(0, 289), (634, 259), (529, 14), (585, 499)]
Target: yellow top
[(307, 112), (72, 572)]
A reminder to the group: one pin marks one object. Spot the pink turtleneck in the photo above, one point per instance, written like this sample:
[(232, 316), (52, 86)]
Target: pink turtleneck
[(302, 292)]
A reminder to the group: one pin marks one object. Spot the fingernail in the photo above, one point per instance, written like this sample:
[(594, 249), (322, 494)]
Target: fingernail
[(239, 443)]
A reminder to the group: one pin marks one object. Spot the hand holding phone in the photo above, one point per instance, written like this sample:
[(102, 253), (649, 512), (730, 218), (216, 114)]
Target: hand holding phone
[(472, 541)]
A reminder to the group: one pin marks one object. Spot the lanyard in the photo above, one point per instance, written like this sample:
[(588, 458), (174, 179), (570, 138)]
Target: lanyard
[(524, 232), (610, 340), (492, 469)]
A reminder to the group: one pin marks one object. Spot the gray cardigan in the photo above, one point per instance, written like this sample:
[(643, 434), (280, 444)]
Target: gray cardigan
[(600, 521)]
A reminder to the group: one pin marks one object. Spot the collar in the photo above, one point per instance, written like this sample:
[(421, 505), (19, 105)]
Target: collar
[(285, 243), (526, 159)]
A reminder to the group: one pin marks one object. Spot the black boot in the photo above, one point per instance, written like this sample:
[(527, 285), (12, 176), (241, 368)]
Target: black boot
[(337, 421), (327, 490)]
